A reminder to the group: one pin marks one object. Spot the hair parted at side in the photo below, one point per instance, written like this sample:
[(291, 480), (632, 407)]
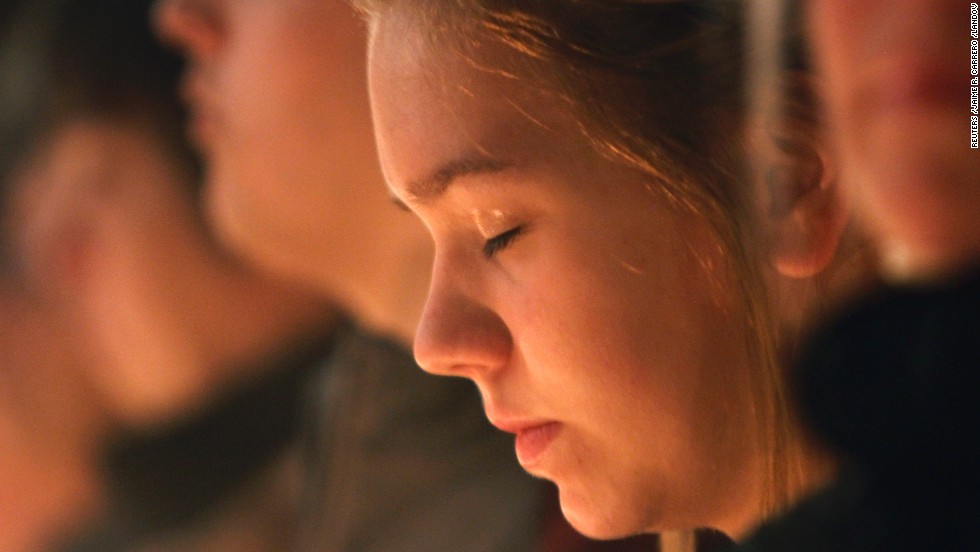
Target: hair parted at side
[(660, 86)]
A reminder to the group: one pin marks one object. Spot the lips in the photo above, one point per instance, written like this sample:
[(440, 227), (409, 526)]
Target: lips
[(919, 84), (533, 438), (905, 61), (531, 443)]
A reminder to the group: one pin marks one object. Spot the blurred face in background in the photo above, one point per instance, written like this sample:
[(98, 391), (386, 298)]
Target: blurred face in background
[(280, 110), (104, 225), (897, 77)]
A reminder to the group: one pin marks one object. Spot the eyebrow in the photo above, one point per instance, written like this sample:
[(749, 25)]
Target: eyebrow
[(438, 181)]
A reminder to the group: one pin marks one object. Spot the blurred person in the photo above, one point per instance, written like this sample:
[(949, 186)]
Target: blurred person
[(898, 104), (127, 320), (604, 270), (279, 109), (47, 420), (233, 406), (890, 383)]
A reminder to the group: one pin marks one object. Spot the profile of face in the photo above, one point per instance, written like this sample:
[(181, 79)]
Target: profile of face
[(599, 322), (105, 227), (898, 89), (279, 105)]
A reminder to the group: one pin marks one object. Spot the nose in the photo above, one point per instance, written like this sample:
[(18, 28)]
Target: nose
[(195, 26), (460, 335)]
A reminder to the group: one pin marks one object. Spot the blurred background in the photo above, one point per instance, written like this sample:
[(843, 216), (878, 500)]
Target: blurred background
[(152, 387)]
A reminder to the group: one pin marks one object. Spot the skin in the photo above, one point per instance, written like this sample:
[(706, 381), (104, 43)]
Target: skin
[(279, 93), (280, 107), (575, 297), (47, 420), (897, 88), (106, 229), (121, 311)]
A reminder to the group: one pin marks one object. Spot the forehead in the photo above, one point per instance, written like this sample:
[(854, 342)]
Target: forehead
[(434, 101)]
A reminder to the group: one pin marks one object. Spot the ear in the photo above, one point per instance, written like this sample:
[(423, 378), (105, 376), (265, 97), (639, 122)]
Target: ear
[(806, 213)]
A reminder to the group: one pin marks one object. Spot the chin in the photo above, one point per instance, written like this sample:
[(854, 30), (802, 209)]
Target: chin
[(599, 519)]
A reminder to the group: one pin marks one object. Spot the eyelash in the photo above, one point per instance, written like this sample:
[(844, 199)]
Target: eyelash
[(500, 242)]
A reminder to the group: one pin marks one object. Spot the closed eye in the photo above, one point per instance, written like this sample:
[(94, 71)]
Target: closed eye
[(501, 241)]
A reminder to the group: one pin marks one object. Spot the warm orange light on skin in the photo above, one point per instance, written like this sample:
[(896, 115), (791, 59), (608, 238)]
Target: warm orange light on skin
[(293, 181), (596, 320), (897, 100)]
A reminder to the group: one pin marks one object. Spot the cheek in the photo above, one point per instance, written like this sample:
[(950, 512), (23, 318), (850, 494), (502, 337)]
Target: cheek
[(264, 101), (264, 78), (576, 316), (658, 331)]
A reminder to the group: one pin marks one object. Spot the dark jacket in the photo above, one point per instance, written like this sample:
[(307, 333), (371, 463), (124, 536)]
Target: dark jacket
[(892, 385)]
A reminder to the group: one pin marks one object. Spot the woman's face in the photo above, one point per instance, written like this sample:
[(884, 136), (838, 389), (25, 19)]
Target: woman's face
[(279, 108), (597, 320), (897, 83)]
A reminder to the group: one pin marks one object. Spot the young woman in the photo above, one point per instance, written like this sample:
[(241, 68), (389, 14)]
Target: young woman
[(607, 270)]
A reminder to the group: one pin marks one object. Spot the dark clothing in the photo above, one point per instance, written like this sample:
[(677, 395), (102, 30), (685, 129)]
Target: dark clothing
[(892, 386), (408, 462), (345, 446)]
